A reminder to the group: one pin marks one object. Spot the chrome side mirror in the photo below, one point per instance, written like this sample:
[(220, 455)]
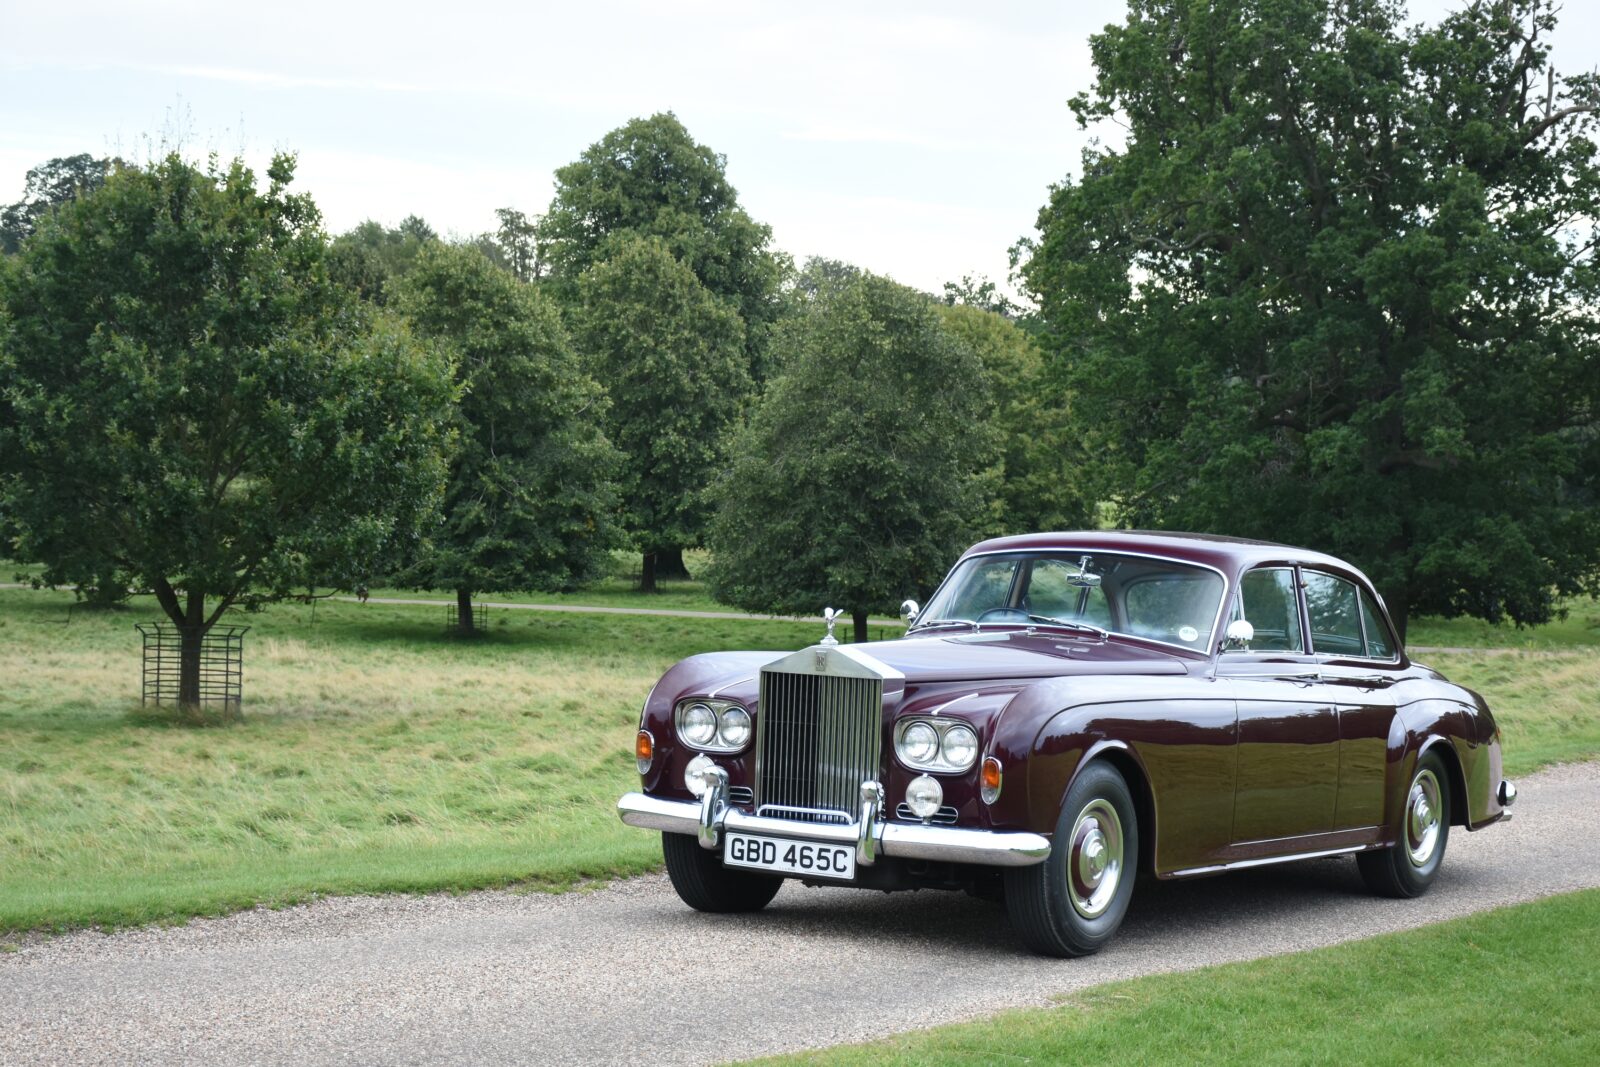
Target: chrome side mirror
[(908, 611), (1238, 636)]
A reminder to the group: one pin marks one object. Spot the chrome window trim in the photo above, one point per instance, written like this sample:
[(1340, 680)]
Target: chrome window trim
[(1222, 602)]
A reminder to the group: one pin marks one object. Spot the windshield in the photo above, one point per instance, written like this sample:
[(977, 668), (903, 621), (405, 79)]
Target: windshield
[(1105, 591)]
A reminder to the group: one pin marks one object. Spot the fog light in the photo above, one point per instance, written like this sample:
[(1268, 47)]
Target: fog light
[(644, 750), (923, 796), (694, 775), (989, 780)]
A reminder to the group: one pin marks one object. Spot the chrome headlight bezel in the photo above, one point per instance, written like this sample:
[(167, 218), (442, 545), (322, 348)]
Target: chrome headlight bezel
[(726, 716), (939, 763)]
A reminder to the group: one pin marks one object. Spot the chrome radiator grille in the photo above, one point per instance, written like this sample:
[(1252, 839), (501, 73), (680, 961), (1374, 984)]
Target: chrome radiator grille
[(817, 739)]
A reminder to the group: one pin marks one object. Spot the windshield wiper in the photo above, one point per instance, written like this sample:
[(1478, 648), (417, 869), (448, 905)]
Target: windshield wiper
[(1072, 624), (946, 622)]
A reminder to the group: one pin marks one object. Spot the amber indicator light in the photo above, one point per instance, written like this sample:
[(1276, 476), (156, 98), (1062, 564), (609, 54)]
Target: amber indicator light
[(643, 747), (991, 774)]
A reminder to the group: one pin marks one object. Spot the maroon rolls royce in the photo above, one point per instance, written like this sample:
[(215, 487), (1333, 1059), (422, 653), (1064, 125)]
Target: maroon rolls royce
[(1068, 711)]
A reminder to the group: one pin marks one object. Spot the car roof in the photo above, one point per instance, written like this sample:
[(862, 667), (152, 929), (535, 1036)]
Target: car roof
[(1227, 554)]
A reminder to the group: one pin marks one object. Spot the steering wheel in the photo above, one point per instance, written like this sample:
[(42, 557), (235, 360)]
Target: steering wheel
[(1003, 615)]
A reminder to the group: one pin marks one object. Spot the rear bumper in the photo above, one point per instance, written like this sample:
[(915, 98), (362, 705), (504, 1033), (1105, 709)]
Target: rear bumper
[(869, 834)]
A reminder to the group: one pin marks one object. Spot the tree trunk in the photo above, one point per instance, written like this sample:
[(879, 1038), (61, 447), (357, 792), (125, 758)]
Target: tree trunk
[(647, 573), (860, 620), (191, 638), (466, 625), (669, 564)]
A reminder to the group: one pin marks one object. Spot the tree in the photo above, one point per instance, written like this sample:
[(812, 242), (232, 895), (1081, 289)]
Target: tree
[(1339, 288), (188, 401), (517, 238), (650, 178), (671, 356), (48, 185), (531, 501), (979, 293), (1040, 458), (373, 259), (867, 467)]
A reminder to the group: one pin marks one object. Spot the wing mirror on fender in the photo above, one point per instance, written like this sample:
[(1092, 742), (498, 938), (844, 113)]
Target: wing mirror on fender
[(908, 611), (1238, 636)]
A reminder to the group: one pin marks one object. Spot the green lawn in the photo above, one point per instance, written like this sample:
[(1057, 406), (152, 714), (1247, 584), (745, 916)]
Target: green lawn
[(1580, 628), (1517, 985), (378, 753)]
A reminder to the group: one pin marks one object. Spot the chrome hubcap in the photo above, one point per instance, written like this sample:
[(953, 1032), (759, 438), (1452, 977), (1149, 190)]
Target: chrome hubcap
[(1094, 862), (1423, 811)]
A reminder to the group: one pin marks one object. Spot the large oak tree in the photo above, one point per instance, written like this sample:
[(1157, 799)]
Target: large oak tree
[(1337, 286), (188, 401)]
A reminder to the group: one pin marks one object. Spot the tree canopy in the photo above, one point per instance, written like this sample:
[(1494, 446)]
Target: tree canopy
[(51, 183), (372, 258), (868, 466), (531, 503), (671, 357), (650, 178), (1338, 287), (1040, 458), (188, 401)]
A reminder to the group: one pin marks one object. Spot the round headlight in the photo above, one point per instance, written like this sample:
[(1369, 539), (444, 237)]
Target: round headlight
[(924, 795), (699, 724), (694, 775), (919, 743), (960, 747), (734, 729)]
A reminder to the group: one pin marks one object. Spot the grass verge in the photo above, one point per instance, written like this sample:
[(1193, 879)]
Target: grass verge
[(1513, 985)]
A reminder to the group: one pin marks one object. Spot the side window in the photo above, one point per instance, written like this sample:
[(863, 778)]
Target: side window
[(1335, 623), (1379, 644), (1273, 609)]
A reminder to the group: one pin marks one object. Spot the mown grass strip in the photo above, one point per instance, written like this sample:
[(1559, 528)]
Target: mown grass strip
[(1515, 985)]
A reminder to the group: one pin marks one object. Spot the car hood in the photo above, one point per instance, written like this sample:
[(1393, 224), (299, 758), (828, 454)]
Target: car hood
[(1018, 654)]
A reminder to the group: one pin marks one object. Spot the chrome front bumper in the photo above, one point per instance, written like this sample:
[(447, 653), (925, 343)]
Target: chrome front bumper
[(870, 834)]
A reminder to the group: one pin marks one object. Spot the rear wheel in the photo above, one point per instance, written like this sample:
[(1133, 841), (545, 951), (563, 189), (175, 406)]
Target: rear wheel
[(1409, 867), (1073, 902), (705, 884)]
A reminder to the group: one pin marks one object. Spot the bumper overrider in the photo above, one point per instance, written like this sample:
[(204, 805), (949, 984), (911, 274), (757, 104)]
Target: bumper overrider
[(870, 834)]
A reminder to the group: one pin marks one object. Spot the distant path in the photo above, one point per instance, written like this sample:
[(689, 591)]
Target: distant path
[(626, 974), (585, 609)]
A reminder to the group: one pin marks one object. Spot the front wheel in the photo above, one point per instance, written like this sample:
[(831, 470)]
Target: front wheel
[(705, 884), (1073, 902), (1409, 867)]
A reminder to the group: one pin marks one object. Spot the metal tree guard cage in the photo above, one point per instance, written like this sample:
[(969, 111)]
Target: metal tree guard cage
[(221, 665), (480, 617)]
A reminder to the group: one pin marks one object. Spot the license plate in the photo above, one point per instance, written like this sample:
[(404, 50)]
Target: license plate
[(782, 856)]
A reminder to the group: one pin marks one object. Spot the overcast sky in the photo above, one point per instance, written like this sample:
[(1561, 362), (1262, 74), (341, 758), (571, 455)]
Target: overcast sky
[(914, 139)]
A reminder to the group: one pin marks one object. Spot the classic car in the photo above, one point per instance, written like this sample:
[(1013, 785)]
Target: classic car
[(1070, 711)]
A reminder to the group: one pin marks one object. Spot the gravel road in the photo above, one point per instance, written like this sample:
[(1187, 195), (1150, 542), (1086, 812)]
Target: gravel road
[(625, 974)]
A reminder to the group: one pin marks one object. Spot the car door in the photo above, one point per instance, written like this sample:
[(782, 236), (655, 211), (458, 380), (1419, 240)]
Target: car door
[(1356, 655), (1287, 778)]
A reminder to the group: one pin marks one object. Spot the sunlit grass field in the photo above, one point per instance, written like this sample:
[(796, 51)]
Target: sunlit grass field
[(377, 753), (1516, 985)]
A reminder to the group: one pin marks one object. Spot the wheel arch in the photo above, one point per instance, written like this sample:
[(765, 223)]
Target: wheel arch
[(1126, 762), (1455, 778)]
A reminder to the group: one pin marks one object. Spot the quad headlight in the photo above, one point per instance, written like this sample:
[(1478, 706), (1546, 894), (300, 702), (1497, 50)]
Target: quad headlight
[(713, 725), (945, 746)]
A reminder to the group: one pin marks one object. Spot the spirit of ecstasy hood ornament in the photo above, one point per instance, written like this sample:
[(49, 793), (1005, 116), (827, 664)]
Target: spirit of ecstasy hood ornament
[(830, 616)]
